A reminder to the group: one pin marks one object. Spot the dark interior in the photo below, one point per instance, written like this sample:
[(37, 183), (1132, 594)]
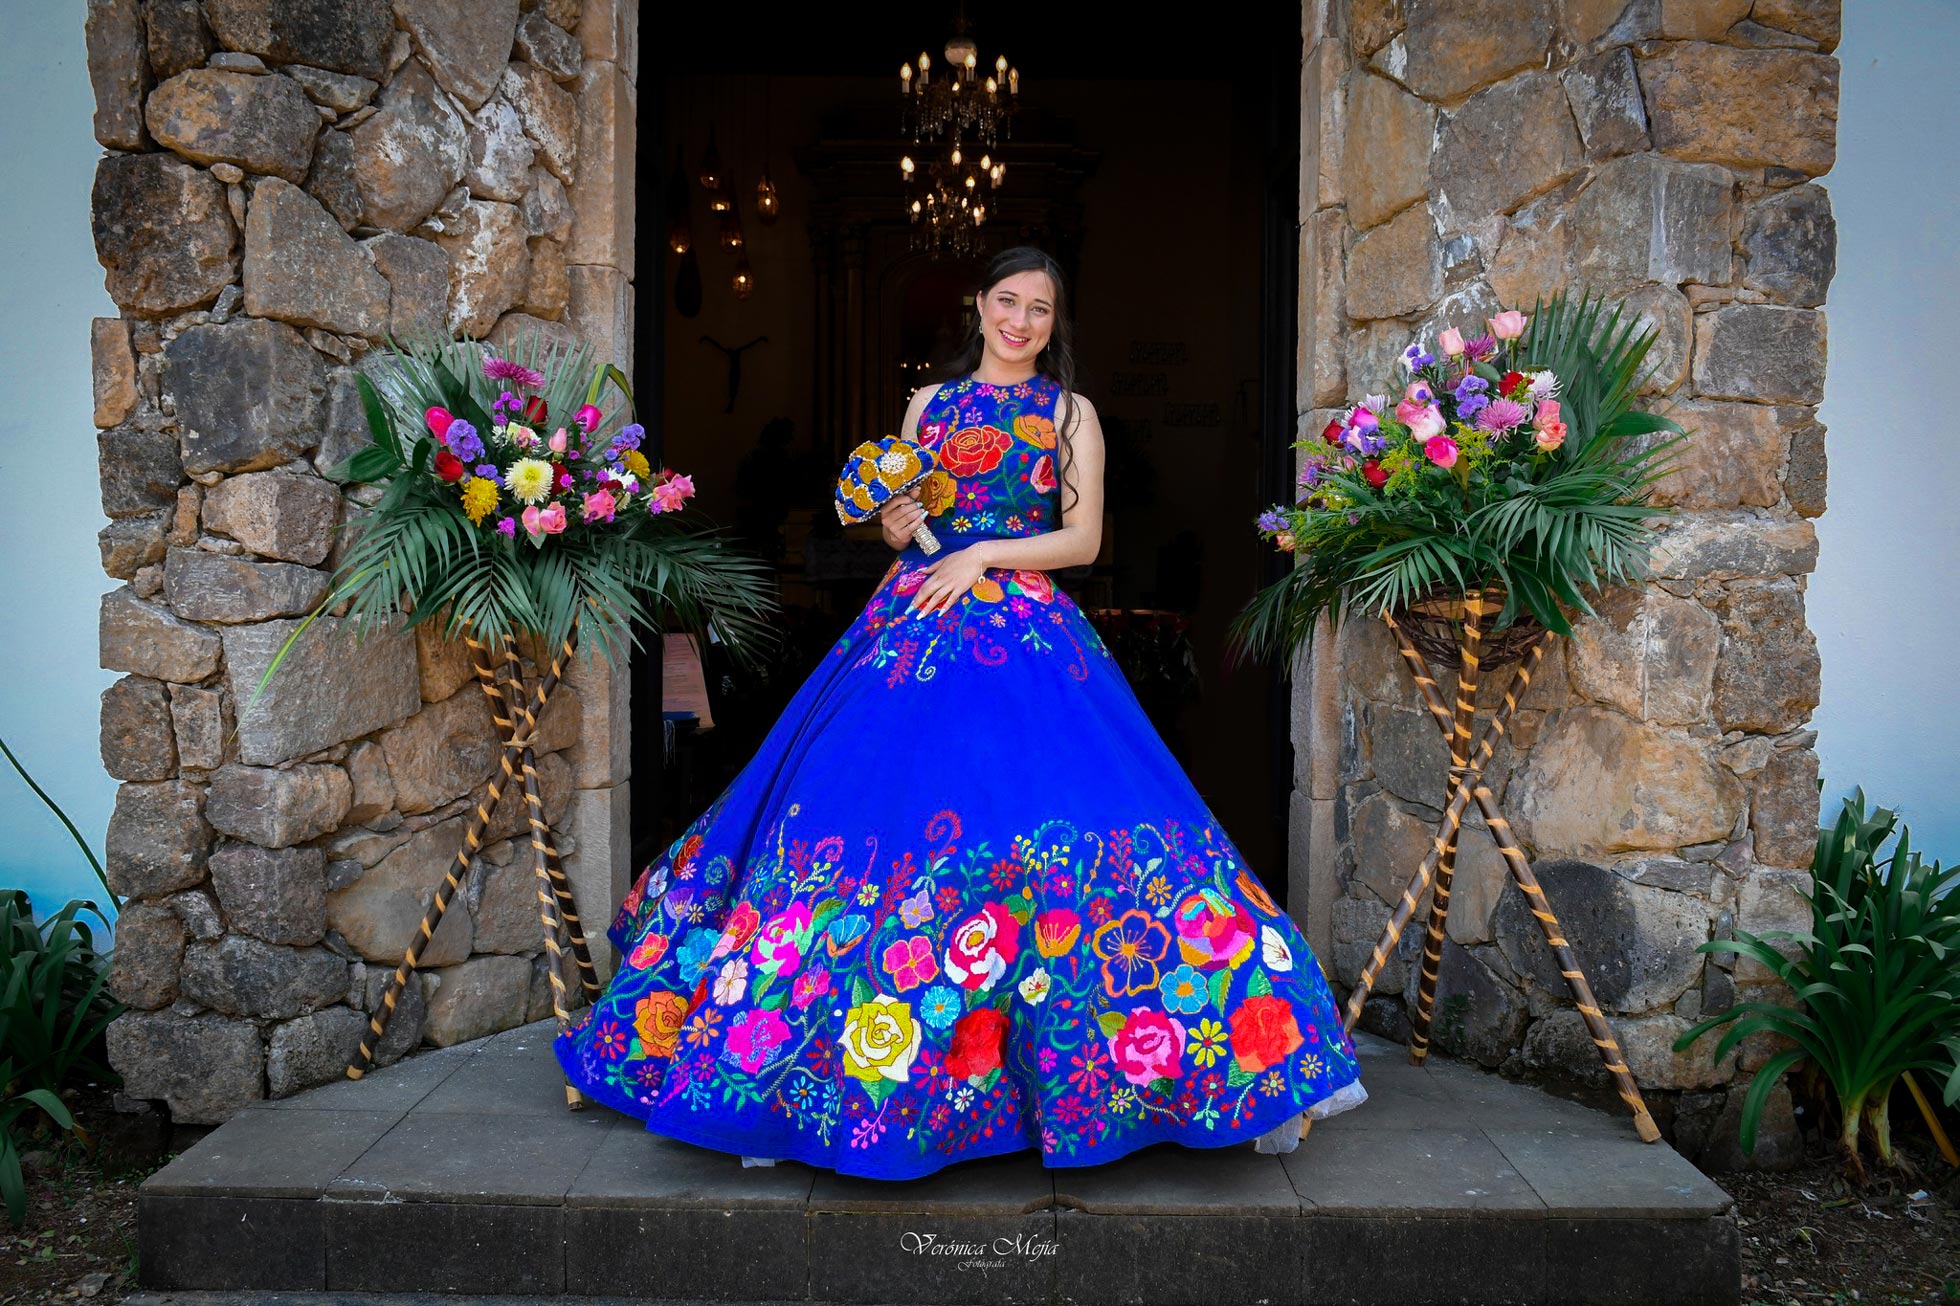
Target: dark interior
[(1162, 171)]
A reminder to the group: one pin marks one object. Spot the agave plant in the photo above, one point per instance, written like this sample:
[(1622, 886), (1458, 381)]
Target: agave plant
[(1434, 498), (1876, 979)]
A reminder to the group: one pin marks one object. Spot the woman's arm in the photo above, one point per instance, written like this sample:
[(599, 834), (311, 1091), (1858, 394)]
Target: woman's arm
[(1079, 539)]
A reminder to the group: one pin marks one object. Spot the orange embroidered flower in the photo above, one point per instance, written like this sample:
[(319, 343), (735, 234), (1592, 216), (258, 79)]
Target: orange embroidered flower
[(936, 492), (1055, 931), (1264, 1032), (657, 1019), (1256, 891), (988, 590), (1131, 946), (1036, 430)]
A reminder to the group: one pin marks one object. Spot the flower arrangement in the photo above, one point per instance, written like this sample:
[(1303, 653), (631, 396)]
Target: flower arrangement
[(517, 500), (1512, 461)]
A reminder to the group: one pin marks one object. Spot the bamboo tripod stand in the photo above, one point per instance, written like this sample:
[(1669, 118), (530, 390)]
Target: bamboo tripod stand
[(1466, 783), (516, 714)]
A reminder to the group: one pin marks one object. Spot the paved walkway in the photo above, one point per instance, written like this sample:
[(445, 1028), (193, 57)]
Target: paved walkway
[(461, 1171)]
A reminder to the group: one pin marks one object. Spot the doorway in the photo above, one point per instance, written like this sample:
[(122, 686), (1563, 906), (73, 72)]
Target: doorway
[(1166, 183)]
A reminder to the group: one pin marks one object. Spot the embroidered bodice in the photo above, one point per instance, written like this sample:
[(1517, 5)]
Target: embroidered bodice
[(996, 448)]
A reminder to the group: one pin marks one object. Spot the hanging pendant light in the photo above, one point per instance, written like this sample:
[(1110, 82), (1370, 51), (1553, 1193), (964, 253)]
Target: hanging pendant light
[(680, 230), (711, 164), (766, 206), (731, 225), (744, 280)]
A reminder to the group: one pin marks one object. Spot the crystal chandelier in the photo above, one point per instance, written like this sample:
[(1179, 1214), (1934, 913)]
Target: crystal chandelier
[(939, 116)]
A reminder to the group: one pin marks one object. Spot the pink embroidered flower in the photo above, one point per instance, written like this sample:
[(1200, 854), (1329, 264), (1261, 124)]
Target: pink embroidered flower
[(780, 944), (910, 962), (755, 1036), (809, 986), (1148, 1047), (742, 922), (1213, 931), (1036, 585), (648, 950), (982, 946), (1042, 478)]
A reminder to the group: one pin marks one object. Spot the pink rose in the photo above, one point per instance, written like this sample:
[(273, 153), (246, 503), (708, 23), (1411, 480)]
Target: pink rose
[(439, 420), (588, 417), (552, 519), (1418, 393), (1148, 1047), (1441, 450), (1450, 341), (599, 506), (1509, 324), (1285, 541), (1551, 430), (778, 946), (1427, 422)]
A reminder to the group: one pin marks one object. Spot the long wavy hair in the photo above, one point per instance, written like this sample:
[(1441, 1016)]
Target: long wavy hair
[(1057, 357)]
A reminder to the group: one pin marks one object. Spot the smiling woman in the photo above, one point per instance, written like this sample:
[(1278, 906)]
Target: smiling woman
[(963, 901)]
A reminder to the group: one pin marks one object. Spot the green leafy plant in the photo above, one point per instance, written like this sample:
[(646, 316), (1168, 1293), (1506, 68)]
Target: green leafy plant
[(600, 550), (1876, 979), (53, 1011), (1439, 495)]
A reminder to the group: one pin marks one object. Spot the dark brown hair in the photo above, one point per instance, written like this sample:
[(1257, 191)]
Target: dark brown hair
[(1057, 357)]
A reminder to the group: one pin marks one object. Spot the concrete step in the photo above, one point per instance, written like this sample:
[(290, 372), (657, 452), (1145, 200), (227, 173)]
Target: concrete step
[(461, 1171)]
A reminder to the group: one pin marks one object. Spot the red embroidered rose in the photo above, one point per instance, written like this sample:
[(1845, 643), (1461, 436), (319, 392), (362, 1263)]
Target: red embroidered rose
[(977, 1040), (974, 450), (1036, 585), (1264, 1032)]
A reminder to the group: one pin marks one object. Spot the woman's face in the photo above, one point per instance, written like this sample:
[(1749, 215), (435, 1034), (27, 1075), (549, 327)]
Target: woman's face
[(1017, 316)]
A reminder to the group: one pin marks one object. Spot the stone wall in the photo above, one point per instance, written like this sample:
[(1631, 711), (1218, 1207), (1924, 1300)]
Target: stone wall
[(1661, 772), (283, 186)]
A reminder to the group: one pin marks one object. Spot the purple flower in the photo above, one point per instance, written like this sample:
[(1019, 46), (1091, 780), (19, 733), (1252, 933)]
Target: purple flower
[(1365, 443), (1501, 415), (507, 527), (503, 369), (488, 471), (1270, 520), (1482, 348), (629, 436), (463, 440), (1415, 359), (1472, 405), (1470, 396)]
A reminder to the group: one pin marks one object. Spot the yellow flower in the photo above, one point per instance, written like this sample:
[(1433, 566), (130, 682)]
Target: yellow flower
[(479, 497), (880, 1039), (936, 491), (1207, 1042), (530, 479), (636, 463)]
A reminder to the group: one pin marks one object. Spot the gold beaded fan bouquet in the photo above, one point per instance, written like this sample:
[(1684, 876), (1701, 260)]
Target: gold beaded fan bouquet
[(878, 470)]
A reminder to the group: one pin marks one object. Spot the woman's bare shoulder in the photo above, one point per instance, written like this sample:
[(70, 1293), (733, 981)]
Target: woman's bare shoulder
[(1084, 414)]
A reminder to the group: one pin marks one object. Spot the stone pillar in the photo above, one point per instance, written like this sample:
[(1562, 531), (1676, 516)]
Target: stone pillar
[(1661, 771), (276, 198)]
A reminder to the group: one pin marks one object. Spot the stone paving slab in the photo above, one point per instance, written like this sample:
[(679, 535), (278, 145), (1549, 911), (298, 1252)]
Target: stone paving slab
[(461, 1171)]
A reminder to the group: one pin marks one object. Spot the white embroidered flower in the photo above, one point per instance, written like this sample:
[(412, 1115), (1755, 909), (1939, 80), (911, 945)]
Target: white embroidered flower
[(732, 982), (1034, 989), (1273, 950)]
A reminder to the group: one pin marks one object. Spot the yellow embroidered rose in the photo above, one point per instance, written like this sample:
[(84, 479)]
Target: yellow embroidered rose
[(880, 1039), (936, 493)]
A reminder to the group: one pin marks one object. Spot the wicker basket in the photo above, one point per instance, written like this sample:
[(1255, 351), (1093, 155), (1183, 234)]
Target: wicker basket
[(1434, 624)]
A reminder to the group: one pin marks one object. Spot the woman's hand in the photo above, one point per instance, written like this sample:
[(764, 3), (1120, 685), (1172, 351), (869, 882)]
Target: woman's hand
[(900, 516), (947, 579)]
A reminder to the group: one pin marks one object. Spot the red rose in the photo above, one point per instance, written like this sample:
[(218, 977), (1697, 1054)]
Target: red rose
[(1512, 379), (1372, 469), (1264, 1032), (448, 466), (974, 450), (977, 1040), (534, 410), (1332, 431)]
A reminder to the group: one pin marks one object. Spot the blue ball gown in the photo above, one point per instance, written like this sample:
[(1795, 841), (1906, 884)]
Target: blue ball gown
[(963, 901)]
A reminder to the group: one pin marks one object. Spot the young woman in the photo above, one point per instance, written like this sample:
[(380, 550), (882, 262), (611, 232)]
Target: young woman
[(963, 901)]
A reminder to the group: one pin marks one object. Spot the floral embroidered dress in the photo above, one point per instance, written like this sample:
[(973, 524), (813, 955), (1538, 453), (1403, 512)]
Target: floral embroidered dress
[(963, 901)]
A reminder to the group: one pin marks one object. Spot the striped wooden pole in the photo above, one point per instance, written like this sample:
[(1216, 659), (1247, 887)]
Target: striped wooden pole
[(363, 1059), (1520, 866), (1439, 903), (1405, 908), (547, 905), (526, 720)]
